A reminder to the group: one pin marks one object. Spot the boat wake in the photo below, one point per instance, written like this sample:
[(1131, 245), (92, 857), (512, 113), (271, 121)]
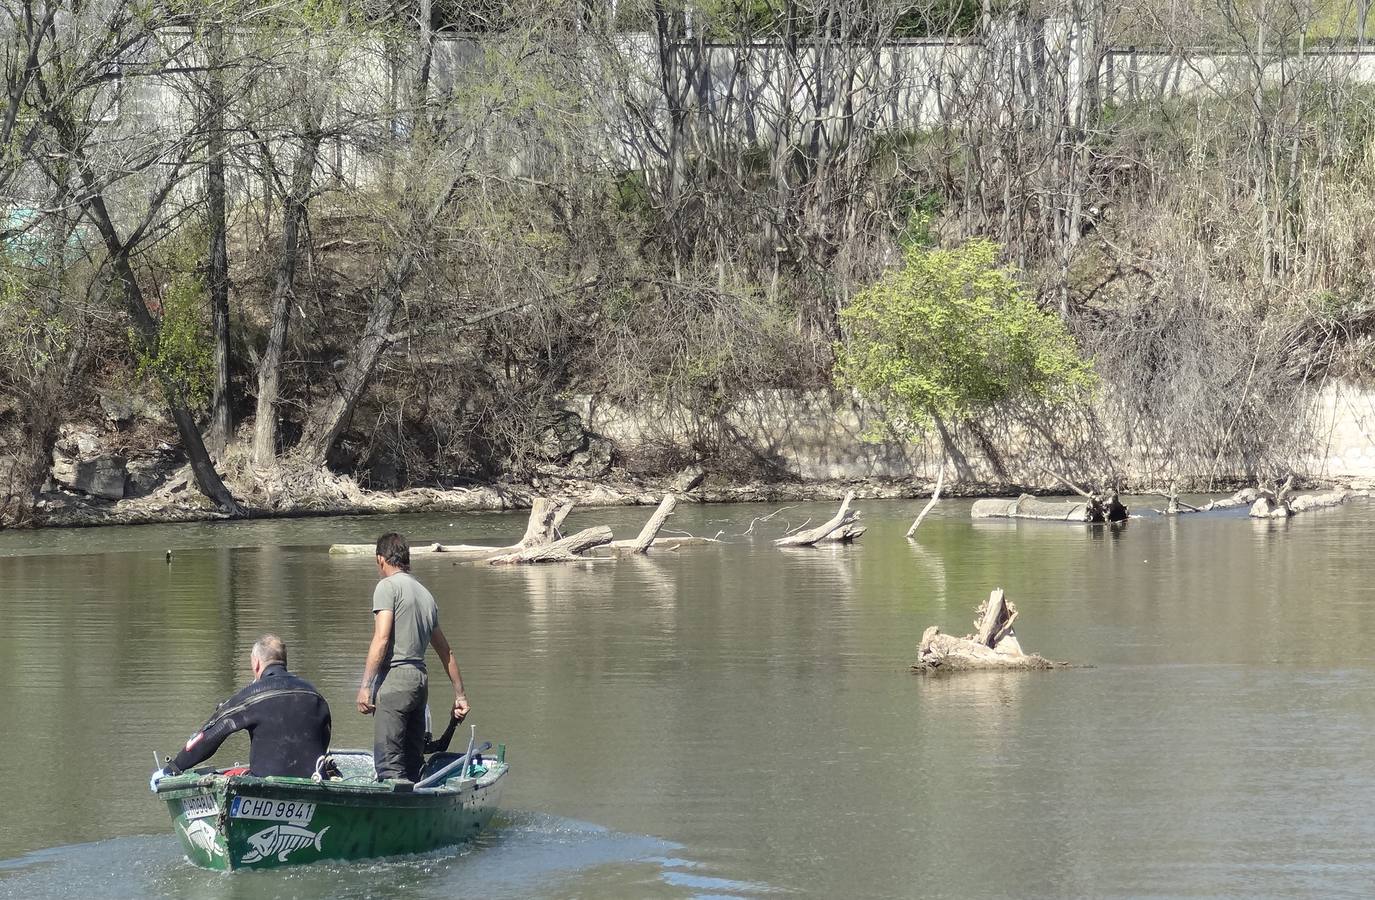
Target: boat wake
[(522, 854)]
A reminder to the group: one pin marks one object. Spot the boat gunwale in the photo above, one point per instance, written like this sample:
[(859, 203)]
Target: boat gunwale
[(383, 793)]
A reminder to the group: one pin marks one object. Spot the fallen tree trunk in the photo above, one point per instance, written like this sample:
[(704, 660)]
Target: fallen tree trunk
[(1244, 497), (844, 534), (814, 535), (1323, 501), (1282, 508), (1029, 507), (676, 542), (1026, 506), (656, 521), (993, 645), (563, 550), (541, 529), (420, 549), (1177, 507)]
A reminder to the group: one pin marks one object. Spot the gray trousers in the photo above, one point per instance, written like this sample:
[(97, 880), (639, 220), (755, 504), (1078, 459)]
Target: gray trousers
[(398, 747)]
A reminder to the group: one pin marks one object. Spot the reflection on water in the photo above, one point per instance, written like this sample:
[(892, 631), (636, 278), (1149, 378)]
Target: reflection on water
[(739, 720)]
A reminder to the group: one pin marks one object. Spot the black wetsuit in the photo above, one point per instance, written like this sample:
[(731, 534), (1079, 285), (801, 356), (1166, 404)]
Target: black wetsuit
[(287, 721)]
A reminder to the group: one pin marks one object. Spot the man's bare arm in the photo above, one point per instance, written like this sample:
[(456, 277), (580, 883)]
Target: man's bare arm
[(446, 656), (377, 651)]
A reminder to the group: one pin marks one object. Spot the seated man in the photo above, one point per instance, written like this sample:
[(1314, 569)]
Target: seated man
[(287, 720)]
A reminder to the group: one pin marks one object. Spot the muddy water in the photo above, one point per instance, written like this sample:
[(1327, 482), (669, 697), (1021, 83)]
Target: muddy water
[(739, 720)]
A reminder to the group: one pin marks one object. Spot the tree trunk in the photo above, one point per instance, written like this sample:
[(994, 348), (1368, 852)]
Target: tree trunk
[(935, 497), (29, 467), (565, 550), (1029, 507), (990, 623), (207, 479), (544, 522), (270, 368), (845, 534), (221, 429), (647, 534), (811, 536), (329, 420)]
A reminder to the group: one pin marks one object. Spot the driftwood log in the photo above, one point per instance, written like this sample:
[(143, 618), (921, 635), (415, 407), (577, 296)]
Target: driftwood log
[(545, 519), (1026, 506), (541, 529), (649, 535), (651, 530), (562, 550), (840, 527), (543, 542), (1282, 507), (1176, 507), (844, 534), (993, 645)]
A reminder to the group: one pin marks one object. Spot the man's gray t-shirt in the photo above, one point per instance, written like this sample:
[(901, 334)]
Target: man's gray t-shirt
[(414, 616)]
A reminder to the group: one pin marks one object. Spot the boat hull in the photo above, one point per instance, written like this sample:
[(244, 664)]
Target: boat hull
[(242, 822)]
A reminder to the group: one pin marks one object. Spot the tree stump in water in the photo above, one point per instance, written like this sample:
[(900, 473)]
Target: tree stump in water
[(993, 645)]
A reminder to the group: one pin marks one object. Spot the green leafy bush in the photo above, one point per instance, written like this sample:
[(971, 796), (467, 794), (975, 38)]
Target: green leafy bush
[(183, 360), (951, 334)]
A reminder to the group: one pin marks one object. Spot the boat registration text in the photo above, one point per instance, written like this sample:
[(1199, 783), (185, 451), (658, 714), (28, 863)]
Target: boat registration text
[(293, 811), (199, 807)]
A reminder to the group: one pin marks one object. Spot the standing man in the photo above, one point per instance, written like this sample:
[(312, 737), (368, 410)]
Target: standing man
[(395, 689)]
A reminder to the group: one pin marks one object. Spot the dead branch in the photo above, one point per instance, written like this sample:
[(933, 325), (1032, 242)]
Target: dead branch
[(562, 550), (811, 536), (656, 521)]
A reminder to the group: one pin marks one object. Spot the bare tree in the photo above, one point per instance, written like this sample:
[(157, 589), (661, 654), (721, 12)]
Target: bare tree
[(89, 49)]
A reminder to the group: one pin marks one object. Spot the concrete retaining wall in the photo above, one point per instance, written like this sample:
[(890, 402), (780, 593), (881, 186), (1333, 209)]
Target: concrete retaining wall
[(822, 436)]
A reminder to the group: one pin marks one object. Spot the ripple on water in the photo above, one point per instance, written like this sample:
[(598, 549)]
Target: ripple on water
[(522, 854)]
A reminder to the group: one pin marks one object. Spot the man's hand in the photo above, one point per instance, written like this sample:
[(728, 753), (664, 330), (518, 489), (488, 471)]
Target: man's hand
[(365, 704), (461, 707)]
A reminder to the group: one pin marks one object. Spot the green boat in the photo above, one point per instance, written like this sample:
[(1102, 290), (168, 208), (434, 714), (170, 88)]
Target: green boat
[(229, 821)]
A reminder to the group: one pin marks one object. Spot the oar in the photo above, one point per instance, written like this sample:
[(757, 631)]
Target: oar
[(472, 738)]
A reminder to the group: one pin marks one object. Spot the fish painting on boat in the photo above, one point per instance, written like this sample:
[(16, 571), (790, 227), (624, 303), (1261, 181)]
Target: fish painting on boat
[(281, 840), (203, 835)]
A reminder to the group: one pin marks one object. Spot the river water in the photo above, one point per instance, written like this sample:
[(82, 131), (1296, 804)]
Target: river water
[(739, 720)]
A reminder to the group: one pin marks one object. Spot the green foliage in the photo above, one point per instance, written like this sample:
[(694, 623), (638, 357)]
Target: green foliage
[(923, 208), (942, 18), (183, 360), (632, 195), (951, 334), (732, 19), (30, 336)]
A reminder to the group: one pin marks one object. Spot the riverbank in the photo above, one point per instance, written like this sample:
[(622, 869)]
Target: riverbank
[(336, 495), (70, 509), (781, 447)]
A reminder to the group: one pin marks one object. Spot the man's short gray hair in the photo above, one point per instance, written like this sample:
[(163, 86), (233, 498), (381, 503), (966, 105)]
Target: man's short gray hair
[(269, 649)]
